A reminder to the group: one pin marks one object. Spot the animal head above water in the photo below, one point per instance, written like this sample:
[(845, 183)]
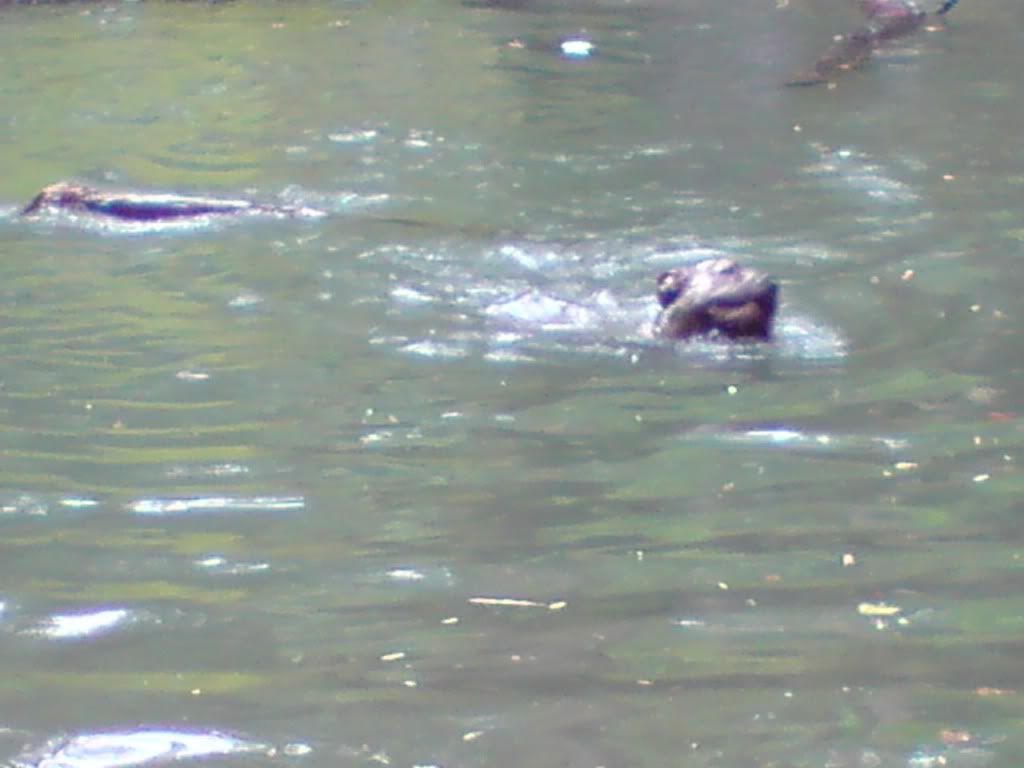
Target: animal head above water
[(716, 297)]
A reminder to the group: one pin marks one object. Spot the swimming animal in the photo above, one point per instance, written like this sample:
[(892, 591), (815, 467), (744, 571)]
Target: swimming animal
[(67, 197), (886, 20), (716, 297)]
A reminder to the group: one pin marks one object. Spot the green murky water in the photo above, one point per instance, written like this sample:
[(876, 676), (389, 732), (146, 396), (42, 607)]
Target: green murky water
[(411, 485)]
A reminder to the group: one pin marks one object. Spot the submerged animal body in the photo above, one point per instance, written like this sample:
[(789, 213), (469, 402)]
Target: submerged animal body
[(716, 297), (886, 20), (65, 197)]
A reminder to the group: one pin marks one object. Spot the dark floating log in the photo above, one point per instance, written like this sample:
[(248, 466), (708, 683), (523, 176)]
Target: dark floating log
[(65, 197), (886, 20)]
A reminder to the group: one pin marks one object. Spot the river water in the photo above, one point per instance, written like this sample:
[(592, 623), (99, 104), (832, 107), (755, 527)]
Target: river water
[(412, 485)]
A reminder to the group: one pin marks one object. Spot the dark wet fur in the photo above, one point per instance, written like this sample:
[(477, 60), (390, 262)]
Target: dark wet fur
[(716, 297)]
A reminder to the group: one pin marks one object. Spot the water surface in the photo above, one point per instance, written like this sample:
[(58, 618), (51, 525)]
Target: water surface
[(412, 484)]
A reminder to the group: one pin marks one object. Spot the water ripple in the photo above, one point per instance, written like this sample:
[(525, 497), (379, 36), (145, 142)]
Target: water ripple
[(783, 437), (112, 226), (76, 626), (855, 170), (221, 566), (32, 505), (204, 504)]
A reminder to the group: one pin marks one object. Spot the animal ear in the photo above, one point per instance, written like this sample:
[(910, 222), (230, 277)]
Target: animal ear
[(670, 286)]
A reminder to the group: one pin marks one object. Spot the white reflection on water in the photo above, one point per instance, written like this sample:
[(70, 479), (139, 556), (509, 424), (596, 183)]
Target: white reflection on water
[(119, 749), (30, 505), (353, 137), (224, 567), (428, 576), (795, 337), (406, 574), (435, 349), (24, 504), (200, 504), (405, 294), (857, 171), (245, 301), (73, 626), (781, 436), (76, 502), (208, 470), (548, 313), (109, 226)]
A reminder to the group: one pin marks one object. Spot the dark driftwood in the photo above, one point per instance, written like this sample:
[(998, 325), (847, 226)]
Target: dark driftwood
[(886, 20), (148, 207)]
